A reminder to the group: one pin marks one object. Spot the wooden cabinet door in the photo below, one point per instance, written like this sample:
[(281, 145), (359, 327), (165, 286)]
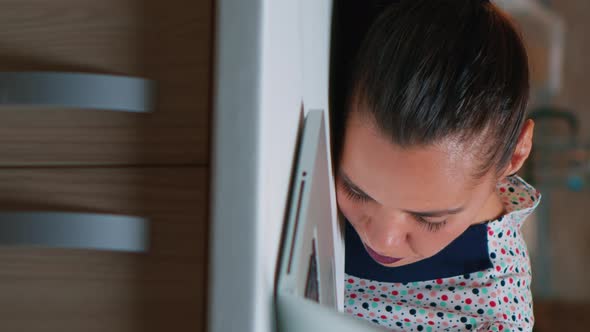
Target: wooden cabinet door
[(83, 290), (166, 41)]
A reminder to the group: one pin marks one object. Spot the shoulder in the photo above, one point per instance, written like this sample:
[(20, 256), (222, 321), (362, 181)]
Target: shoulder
[(464, 302)]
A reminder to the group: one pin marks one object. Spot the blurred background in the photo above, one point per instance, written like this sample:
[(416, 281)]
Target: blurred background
[(556, 36)]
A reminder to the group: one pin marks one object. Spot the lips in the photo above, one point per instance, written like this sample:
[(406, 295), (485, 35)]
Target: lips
[(380, 258)]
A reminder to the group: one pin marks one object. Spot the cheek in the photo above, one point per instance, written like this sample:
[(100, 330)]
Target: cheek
[(428, 243)]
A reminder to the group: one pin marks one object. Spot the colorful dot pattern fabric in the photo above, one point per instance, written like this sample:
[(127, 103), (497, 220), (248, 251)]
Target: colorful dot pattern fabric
[(494, 299)]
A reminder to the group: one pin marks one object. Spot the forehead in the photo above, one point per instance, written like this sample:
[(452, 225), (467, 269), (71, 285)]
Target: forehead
[(422, 177)]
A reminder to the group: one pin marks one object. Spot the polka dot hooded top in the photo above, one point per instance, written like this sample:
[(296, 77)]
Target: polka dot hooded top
[(479, 282)]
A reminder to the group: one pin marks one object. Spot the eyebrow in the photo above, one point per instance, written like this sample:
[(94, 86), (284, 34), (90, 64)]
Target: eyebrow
[(426, 214)]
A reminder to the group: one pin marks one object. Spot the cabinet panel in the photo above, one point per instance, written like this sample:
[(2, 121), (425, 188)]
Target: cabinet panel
[(83, 290), (167, 41)]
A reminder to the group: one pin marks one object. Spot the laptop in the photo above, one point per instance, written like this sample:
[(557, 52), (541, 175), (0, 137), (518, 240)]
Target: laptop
[(310, 280)]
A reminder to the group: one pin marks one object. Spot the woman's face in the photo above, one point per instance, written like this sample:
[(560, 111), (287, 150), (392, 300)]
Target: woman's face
[(407, 204)]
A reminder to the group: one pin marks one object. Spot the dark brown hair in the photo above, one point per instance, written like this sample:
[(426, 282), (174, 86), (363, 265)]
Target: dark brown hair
[(429, 70)]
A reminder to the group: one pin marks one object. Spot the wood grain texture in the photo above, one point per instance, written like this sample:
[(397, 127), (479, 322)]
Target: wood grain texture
[(167, 41), (84, 290)]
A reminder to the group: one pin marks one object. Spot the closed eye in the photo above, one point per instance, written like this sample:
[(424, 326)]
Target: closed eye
[(429, 225), (355, 196)]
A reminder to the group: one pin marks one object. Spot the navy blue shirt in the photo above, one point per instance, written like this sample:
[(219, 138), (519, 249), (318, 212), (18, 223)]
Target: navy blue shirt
[(467, 253)]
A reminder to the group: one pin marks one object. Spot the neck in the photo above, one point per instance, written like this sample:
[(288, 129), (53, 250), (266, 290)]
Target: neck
[(492, 209)]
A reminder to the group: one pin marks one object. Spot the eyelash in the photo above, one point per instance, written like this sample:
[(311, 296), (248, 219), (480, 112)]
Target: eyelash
[(430, 226), (354, 195)]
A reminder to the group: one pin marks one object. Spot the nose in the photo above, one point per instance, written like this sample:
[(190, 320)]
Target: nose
[(387, 234)]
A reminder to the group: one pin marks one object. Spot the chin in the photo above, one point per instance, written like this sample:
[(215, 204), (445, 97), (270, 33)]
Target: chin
[(402, 262)]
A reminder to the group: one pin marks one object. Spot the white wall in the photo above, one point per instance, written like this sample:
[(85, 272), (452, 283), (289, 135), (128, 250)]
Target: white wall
[(272, 56)]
